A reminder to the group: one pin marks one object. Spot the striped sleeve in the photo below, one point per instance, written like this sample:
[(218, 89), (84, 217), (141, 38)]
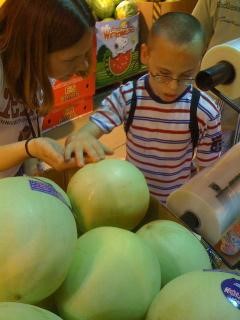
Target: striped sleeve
[(112, 110), (210, 144)]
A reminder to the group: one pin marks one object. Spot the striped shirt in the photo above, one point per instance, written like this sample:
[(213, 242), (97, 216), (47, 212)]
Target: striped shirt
[(159, 139)]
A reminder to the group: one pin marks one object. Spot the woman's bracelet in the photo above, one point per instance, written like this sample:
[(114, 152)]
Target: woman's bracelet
[(27, 149)]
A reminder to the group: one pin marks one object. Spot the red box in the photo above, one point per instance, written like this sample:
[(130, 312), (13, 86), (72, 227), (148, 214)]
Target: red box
[(72, 98), (67, 112), (73, 89)]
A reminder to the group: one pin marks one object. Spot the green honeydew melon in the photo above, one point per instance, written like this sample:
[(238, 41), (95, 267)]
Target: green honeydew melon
[(198, 295), (114, 276), (177, 249), (110, 192), (21, 311), (38, 237)]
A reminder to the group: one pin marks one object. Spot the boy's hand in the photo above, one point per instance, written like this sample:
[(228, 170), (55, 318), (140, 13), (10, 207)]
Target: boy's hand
[(85, 147)]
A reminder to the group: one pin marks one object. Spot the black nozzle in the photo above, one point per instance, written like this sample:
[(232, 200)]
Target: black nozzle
[(221, 73), (191, 220)]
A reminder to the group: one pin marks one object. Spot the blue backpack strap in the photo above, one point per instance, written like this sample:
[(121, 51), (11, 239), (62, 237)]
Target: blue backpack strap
[(132, 108), (193, 124)]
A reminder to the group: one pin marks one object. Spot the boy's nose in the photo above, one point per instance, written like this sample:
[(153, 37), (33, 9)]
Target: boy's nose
[(173, 84)]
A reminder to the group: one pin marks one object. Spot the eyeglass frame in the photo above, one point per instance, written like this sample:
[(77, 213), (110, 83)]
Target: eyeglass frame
[(167, 79)]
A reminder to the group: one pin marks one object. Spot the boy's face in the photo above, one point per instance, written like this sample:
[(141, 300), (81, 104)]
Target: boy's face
[(170, 65)]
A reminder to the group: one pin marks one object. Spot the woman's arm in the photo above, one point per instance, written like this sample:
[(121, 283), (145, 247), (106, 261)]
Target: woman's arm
[(44, 149), (12, 155)]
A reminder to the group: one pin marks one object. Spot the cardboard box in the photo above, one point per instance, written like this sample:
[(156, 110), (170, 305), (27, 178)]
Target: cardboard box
[(71, 99), (65, 113), (117, 50), (151, 11), (75, 88)]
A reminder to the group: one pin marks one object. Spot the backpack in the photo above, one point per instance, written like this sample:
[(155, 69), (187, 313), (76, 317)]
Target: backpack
[(193, 124)]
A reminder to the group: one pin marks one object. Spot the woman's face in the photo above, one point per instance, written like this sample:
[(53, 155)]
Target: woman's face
[(63, 64)]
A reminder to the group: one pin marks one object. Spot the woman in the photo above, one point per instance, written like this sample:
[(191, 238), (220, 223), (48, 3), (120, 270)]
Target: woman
[(39, 40)]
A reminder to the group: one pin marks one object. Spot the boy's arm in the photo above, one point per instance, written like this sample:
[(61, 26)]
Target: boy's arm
[(210, 144), (84, 144)]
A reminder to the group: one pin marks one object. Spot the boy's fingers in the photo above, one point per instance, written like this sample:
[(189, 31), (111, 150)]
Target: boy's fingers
[(88, 153), (107, 150), (76, 154), (79, 158), (68, 152), (99, 148), (94, 152)]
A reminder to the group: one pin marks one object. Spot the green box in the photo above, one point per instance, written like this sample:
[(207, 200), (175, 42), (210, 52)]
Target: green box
[(118, 51)]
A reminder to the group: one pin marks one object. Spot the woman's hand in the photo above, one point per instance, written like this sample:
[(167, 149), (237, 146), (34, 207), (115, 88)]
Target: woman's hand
[(51, 152)]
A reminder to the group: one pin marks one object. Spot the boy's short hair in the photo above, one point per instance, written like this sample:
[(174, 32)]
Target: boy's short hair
[(178, 27)]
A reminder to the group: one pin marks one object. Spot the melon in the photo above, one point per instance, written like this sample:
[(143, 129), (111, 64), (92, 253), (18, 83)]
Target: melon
[(125, 9), (198, 295), (177, 249), (116, 2), (21, 311), (114, 276), (38, 237), (103, 8), (110, 192)]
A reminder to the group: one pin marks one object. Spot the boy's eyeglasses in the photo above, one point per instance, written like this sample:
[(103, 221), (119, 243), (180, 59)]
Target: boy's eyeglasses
[(160, 78)]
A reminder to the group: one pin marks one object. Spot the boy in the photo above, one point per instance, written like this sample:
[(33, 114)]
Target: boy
[(159, 139)]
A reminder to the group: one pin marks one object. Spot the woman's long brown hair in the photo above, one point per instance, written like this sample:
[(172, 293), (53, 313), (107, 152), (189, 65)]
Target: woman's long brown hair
[(29, 31)]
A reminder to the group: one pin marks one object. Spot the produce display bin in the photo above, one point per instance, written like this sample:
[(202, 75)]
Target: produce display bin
[(157, 211)]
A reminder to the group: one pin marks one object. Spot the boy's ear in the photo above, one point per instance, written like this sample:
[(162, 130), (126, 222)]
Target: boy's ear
[(144, 55)]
